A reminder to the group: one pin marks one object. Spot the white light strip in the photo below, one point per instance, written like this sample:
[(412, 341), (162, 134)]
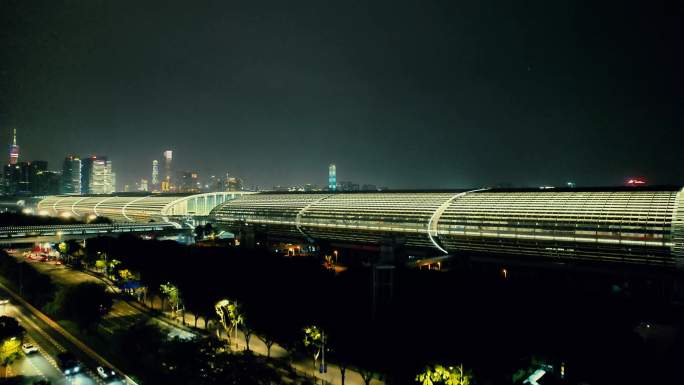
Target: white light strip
[(99, 203), (299, 214), (54, 206), (73, 206), (434, 219), (677, 246), (123, 209)]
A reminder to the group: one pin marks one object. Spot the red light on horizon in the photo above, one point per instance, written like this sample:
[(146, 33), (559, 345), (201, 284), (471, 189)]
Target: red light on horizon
[(635, 182)]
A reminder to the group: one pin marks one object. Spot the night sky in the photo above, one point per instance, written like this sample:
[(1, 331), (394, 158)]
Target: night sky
[(418, 94)]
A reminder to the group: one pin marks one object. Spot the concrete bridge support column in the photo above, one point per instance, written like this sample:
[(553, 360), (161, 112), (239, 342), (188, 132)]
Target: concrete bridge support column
[(384, 274)]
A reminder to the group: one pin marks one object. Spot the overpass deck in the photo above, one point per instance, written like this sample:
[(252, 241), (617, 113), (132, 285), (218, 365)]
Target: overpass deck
[(16, 232)]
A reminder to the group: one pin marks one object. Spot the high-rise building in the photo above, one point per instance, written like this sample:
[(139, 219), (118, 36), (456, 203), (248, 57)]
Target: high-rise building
[(168, 156), (234, 184), (11, 174), (189, 182), (109, 178), (71, 175), (155, 175), (142, 186), (332, 177), (92, 174), (14, 149), (21, 178), (47, 183), (23, 182), (30, 175), (97, 176)]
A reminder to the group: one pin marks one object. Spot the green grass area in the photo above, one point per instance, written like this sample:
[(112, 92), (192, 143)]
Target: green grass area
[(96, 341)]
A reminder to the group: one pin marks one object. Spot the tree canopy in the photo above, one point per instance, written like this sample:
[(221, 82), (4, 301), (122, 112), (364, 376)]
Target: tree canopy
[(85, 303)]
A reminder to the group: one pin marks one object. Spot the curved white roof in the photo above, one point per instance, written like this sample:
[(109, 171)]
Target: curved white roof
[(644, 226), (135, 208)]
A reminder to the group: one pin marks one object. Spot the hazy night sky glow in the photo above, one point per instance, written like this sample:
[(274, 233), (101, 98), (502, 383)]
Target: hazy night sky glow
[(404, 94)]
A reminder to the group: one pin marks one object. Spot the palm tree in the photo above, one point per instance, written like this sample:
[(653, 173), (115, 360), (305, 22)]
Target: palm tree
[(230, 316)]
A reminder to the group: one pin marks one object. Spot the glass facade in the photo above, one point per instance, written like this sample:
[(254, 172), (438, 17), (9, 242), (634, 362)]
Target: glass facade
[(140, 208), (71, 175), (627, 226)]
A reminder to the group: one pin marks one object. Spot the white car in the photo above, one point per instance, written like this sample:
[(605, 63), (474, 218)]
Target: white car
[(29, 348), (106, 372)]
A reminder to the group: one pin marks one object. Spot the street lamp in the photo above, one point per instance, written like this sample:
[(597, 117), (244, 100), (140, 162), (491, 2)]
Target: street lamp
[(335, 252)]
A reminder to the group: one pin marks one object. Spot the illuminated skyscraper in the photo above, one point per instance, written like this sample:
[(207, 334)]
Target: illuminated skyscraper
[(155, 175), (332, 177), (189, 182), (234, 184), (92, 175), (14, 149), (109, 178), (71, 175), (168, 155), (97, 176)]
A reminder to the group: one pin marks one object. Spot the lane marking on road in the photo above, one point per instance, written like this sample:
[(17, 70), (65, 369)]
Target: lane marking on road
[(40, 372), (67, 335), (42, 332)]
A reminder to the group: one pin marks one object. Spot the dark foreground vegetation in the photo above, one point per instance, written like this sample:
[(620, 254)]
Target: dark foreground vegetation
[(142, 349), (203, 361), (602, 328), (497, 326)]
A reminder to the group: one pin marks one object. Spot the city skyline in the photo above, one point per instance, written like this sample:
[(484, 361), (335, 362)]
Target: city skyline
[(167, 184), (205, 180)]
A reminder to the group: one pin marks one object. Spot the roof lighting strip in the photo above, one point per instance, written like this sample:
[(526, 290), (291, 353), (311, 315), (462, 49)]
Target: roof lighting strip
[(73, 206), (434, 219), (123, 209), (99, 203), (678, 228), (299, 214), (54, 206)]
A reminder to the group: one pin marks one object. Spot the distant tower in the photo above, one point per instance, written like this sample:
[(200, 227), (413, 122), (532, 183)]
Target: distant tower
[(168, 156), (14, 149), (155, 174), (332, 177)]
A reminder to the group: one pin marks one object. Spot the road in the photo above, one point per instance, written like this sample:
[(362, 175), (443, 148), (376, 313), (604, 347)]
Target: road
[(123, 313), (50, 342)]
